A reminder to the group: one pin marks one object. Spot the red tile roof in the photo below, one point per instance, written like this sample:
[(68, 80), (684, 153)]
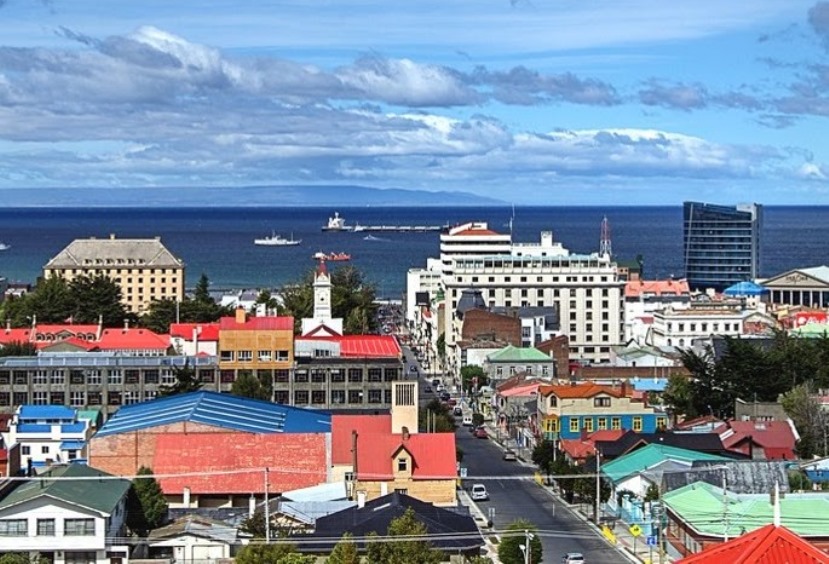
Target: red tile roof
[(582, 448), (14, 335), (342, 427), (776, 438), (132, 338), (281, 323), (433, 455), (766, 545), (294, 460), (59, 328), (636, 288), (206, 331), (363, 346), (579, 391), (474, 232), (74, 341)]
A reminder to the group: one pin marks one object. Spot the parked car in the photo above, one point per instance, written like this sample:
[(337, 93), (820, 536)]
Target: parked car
[(480, 433), (573, 558), (467, 422), (435, 381), (452, 401), (479, 493), (427, 389), (413, 369), (444, 395), (457, 411), (509, 454)]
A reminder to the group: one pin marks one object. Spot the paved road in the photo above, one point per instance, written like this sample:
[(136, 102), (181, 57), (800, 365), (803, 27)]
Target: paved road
[(515, 499)]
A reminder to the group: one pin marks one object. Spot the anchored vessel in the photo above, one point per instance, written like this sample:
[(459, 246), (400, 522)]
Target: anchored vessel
[(277, 241)]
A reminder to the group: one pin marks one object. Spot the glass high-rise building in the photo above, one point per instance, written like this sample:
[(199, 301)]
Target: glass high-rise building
[(721, 244)]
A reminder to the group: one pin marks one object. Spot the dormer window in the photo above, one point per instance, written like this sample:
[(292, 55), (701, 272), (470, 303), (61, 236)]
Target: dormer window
[(553, 401), (601, 402), (402, 464)]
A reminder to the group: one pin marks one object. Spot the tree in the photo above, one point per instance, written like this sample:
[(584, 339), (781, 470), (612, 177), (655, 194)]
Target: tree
[(201, 294), (201, 308), (22, 558), (543, 455), (18, 348), (401, 550), (261, 553), (509, 550), (436, 418), (186, 381), (652, 493), (344, 552), (798, 481), (249, 386), (97, 298), (809, 419), (148, 507), (679, 396), (473, 376)]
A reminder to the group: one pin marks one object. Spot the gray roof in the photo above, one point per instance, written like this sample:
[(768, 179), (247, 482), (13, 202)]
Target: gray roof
[(197, 526), (309, 511), (471, 298), (742, 476), (112, 252)]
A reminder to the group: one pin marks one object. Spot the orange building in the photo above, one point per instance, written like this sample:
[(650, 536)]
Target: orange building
[(261, 346)]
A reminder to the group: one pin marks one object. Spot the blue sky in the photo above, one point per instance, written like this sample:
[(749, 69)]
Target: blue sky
[(557, 102)]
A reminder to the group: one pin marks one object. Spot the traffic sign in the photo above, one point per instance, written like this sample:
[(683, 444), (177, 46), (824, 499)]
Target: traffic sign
[(635, 530), (652, 540)]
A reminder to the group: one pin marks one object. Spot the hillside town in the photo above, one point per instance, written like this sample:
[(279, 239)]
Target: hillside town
[(522, 403)]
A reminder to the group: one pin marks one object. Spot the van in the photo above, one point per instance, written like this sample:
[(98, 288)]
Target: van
[(467, 420)]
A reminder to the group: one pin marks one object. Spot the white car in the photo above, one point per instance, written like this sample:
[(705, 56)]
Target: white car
[(479, 493), (573, 558)]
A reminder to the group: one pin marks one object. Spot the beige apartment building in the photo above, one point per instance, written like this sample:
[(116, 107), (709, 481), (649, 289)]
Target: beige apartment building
[(143, 268)]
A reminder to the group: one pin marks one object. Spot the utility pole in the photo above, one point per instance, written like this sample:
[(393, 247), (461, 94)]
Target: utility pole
[(267, 512), (725, 505), (598, 487)]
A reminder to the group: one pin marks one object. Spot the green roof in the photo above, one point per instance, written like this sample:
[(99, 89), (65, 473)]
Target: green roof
[(649, 456), (101, 495), (516, 354), (703, 507)]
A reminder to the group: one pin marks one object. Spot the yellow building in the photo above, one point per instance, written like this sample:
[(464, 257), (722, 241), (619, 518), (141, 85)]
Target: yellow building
[(261, 346), (143, 268)]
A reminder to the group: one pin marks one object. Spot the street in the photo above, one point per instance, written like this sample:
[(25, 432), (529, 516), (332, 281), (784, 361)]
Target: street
[(561, 531)]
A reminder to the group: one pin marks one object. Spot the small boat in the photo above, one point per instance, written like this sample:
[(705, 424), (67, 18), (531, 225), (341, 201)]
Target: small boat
[(373, 238), (331, 256), (4, 246), (277, 241)]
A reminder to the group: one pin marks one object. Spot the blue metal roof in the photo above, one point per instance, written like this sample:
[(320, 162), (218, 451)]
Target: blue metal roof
[(44, 428), (745, 288), (71, 445), (46, 412), (219, 410), (649, 384)]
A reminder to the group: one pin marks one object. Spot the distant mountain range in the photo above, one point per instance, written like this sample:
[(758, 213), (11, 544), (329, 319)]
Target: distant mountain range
[(243, 196)]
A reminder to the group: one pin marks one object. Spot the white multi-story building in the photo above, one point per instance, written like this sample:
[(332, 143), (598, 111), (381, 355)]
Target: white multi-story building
[(585, 290), (644, 297), (680, 328), (48, 434)]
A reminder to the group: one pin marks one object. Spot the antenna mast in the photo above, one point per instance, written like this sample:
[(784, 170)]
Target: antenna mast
[(605, 247)]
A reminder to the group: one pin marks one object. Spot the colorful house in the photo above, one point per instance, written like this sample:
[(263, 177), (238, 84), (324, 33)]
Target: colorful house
[(568, 411), (771, 544)]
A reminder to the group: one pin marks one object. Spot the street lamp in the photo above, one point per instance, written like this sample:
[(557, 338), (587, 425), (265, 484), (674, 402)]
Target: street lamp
[(526, 549)]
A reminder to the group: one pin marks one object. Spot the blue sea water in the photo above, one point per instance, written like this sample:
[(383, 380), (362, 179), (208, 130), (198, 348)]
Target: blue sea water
[(219, 241)]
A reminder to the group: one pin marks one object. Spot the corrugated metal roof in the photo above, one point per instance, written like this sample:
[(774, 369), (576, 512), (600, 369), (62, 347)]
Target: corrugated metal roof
[(281, 323), (29, 412), (516, 354), (767, 545), (220, 410), (648, 457), (72, 445)]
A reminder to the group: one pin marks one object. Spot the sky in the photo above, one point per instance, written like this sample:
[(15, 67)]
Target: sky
[(556, 102)]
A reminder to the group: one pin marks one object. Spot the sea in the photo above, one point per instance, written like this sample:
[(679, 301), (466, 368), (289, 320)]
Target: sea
[(219, 241)]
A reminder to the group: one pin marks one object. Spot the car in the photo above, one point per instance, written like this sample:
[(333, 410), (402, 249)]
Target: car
[(479, 493), (480, 433), (452, 401), (573, 558), (435, 381), (427, 389), (509, 454), (439, 388), (457, 411), (413, 369), (444, 396)]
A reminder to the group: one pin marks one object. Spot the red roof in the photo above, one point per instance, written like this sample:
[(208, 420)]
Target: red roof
[(579, 391), (582, 448), (364, 346), (342, 427), (74, 341), (766, 545), (472, 232), (280, 323), (14, 335), (776, 438), (132, 338), (636, 288), (58, 328), (433, 455), (206, 331), (294, 460)]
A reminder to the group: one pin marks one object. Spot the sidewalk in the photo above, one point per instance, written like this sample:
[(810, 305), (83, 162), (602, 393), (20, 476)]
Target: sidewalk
[(481, 520)]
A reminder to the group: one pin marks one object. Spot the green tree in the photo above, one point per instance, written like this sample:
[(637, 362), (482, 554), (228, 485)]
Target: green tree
[(544, 454), (798, 481), (201, 308), (652, 493), (297, 558), (261, 553), (509, 549), (809, 418), (268, 300), (440, 345), (22, 558), (97, 298), (249, 386), (18, 348), (147, 505), (400, 550), (186, 381), (201, 293), (344, 552), (679, 397), (436, 418), (473, 374)]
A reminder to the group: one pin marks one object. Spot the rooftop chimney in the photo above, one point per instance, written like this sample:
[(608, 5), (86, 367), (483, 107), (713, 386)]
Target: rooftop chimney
[(241, 315), (405, 432)]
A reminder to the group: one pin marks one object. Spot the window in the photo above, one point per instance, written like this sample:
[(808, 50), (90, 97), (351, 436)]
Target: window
[(25, 449), (300, 397), (403, 491), (282, 355), (337, 397), (661, 422), (355, 375), (44, 449), (601, 402), (553, 401), (402, 464), (355, 396), (637, 424), (574, 425), (167, 377), (375, 396), (301, 376), (390, 374), (616, 423), (337, 375), (552, 425), (45, 527), (115, 376), (264, 356), (318, 397), (226, 356), (281, 396), (131, 376), (588, 424), (40, 398), (602, 423), (131, 397), (79, 527), (93, 377), (374, 374), (318, 375), (151, 377), (245, 356), (281, 375), (14, 528)]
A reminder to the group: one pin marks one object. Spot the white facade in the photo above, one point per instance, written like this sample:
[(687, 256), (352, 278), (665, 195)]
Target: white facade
[(48, 434), (421, 280), (192, 548), (680, 328), (47, 525)]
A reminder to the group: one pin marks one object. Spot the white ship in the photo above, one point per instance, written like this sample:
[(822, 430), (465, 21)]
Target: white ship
[(277, 241), (4, 246), (337, 223)]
